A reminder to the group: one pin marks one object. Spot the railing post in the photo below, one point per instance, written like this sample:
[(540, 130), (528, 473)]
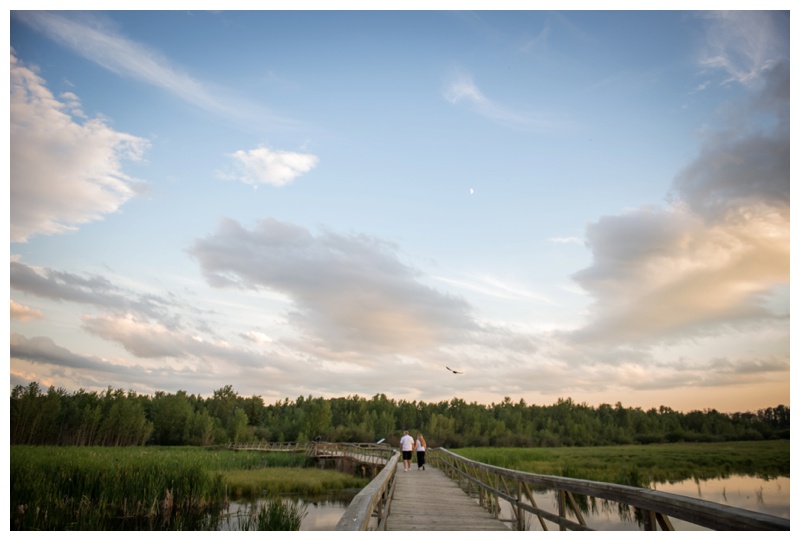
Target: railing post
[(562, 508), (648, 520), (520, 511)]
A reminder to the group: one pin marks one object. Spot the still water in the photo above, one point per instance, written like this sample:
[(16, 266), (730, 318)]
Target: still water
[(321, 513), (745, 492)]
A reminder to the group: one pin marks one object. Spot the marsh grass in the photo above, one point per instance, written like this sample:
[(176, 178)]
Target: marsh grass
[(275, 515), (88, 488), (640, 465), (273, 481)]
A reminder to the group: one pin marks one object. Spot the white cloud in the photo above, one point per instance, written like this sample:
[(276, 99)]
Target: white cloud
[(263, 165), (81, 178)]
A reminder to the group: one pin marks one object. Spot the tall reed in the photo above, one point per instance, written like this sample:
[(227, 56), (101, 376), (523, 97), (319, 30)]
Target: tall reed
[(54, 488)]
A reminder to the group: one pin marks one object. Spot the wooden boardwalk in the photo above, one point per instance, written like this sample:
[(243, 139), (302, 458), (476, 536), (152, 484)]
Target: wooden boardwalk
[(429, 500)]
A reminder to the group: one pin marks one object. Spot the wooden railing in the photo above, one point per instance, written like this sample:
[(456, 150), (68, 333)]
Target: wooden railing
[(272, 447), (653, 509), (367, 453), (373, 501)]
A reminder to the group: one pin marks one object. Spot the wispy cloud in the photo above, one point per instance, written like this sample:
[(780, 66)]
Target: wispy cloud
[(494, 287), (461, 90), (745, 43), (93, 38), (82, 178)]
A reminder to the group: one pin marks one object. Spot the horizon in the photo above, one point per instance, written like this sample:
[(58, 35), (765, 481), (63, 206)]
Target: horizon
[(590, 205)]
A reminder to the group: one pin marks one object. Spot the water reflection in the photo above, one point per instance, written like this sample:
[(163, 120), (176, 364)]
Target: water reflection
[(322, 513), (769, 496)]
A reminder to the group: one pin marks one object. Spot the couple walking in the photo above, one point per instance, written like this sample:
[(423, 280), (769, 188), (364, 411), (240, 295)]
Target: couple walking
[(408, 445)]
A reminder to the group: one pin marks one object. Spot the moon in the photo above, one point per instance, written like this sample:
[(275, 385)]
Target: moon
[(471, 191)]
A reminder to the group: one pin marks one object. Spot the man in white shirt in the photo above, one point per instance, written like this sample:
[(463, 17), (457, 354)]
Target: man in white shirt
[(407, 447)]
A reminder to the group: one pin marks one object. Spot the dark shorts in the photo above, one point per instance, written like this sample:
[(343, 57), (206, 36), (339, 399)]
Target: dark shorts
[(406, 455)]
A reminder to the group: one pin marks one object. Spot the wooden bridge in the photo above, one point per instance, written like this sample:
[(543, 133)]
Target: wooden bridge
[(457, 494)]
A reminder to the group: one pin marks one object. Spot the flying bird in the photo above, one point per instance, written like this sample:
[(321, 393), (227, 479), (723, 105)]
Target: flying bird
[(453, 371)]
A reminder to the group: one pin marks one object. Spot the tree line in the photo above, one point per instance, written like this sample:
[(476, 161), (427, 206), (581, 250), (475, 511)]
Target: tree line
[(121, 418)]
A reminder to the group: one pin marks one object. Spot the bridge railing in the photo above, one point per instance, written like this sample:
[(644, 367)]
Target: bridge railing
[(370, 507), (284, 446), (369, 453), (652, 508)]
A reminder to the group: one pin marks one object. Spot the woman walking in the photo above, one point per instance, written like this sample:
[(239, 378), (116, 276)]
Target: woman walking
[(421, 446)]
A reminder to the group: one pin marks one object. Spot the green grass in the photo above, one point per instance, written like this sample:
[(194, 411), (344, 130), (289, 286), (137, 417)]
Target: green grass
[(639, 465)]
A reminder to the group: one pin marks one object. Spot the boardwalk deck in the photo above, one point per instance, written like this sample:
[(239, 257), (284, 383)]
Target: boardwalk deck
[(429, 500)]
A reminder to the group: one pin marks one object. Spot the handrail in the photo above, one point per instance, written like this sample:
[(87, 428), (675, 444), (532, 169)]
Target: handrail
[(656, 507), (375, 498), (369, 453), (268, 446)]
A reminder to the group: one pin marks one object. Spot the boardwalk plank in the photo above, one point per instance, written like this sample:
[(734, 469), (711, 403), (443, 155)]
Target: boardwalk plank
[(428, 500)]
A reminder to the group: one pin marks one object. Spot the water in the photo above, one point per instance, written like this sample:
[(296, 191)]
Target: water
[(322, 513), (770, 497)]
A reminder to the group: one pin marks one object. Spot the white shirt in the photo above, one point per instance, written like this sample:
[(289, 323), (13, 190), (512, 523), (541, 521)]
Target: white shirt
[(420, 447), (407, 443)]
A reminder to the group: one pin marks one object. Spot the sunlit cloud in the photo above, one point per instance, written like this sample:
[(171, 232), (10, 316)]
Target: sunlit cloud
[(659, 274), (21, 312), (82, 178), (718, 257)]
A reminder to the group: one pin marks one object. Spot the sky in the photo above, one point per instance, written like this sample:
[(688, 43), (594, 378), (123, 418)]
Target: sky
[(556, 204)]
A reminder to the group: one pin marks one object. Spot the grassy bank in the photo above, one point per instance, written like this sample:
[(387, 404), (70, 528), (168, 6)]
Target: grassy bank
[(639, 465)]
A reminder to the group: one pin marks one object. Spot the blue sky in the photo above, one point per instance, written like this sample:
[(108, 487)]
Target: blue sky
[(591, 205)]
